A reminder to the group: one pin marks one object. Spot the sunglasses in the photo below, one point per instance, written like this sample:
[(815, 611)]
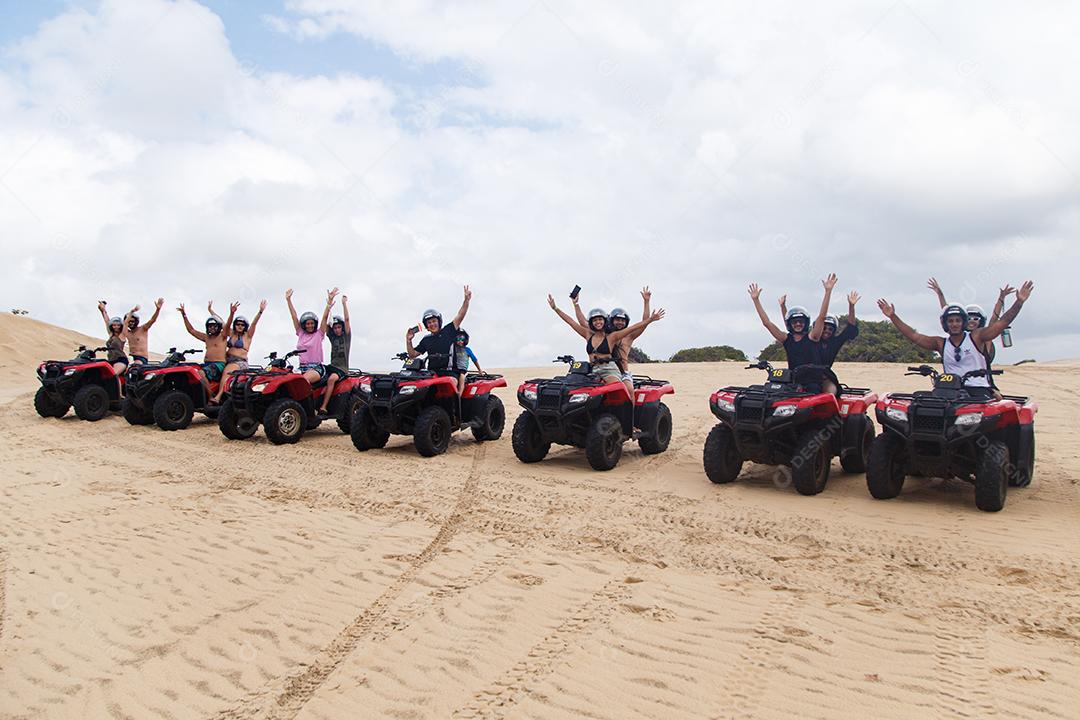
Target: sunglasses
[(957, 354)]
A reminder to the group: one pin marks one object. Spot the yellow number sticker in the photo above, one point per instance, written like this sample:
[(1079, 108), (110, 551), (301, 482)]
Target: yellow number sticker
[(577, 365), (946, 378), (778, 373)]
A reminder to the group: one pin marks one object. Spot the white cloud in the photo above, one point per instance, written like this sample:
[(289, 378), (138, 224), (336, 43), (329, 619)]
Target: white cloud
[(692, 147)]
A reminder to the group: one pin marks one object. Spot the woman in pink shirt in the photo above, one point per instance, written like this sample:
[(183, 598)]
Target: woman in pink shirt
[(310, 333)]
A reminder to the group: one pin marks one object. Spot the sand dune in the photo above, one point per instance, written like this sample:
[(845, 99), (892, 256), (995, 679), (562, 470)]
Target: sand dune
[(180, 575)]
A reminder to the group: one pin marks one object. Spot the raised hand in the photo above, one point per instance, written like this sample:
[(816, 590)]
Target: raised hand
[(101, 305), (262, 306), (783, 300), (932, 283), (233, 307), (657, 315), (755, 291), (344, 299), (135, 309), (853, 297), (288, 294), (411, 332), (181, 309), (468, 293), (1024, 291), (159, 302), (887, 308), (551, 302), (210, 307), (829, 282), (646, 294), (1006, 292)]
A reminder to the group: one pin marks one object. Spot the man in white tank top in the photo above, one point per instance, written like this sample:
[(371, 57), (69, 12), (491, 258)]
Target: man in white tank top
[(960, 350)]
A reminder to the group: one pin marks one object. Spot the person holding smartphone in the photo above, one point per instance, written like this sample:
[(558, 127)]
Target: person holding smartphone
[(439, 342)]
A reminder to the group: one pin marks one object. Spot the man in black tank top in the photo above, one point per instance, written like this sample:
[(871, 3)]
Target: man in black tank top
[(801, 339)]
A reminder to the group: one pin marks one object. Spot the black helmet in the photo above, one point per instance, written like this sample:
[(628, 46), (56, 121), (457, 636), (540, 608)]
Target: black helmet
[(462, 335), (308, 316), (338, 320), (619, 313), (951, 311), (797, 313), (214, 322), (976, 311), (832, 320), (432, 313)]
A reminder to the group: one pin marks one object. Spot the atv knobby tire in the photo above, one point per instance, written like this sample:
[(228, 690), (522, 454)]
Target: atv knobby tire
[(48, 406), (173, 410), (492, 419), (431, 434), (658, 437), (91, 402), (234, 426), (526, 439), (136, 415), (992, 477), (364, 432), (885, 468), (810, 463), (854, 459), (721, 457), (1024, 469), (603, 442), (285, 421)]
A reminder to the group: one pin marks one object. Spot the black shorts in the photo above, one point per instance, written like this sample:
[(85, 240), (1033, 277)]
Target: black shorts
[(140, 358)]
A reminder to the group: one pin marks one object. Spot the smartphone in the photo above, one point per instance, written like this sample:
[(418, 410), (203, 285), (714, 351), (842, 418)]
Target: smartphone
[(574, 292)]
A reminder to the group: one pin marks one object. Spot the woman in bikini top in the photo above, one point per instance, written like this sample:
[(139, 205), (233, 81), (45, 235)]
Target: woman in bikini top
[(238, 344), (600, 354)]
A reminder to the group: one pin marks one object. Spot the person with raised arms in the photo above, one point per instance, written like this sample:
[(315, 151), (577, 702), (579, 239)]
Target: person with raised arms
[(310, 333), (238, 345), (138, 336), (213, 364), (960, 353)]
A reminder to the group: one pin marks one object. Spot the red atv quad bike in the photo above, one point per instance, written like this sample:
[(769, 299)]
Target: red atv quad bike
[(424, 403), (788, 421), (87, 383), (279, 398), (954, 431), (579, 409), (167, 393)]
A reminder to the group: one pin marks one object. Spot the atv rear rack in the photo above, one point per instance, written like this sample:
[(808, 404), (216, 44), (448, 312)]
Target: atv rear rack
[(646, 381)]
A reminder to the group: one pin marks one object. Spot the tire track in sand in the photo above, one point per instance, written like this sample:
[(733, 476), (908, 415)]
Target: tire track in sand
[(3, 590), (962, 671), (499, 698), (286, 699)]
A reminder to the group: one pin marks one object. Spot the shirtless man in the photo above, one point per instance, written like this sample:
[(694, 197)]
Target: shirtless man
[(139, 335), (620, 320), (216, 343)]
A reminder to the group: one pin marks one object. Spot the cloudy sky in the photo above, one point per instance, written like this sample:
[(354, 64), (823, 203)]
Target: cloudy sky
[(229, 150)]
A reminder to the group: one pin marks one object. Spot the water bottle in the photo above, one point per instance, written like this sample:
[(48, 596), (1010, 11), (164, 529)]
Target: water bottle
[(1006, 337)]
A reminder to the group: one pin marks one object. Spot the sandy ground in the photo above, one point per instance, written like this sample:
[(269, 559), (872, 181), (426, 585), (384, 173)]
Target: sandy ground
[(180, 575)]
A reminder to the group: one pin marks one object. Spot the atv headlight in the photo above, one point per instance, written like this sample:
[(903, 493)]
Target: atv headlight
[(258, 387), (578, 398), (896, 414), (365, 388), (407, 389), (784, 411), (147, 376), (69, 371), (725, 405), (529, 395), (969, 419)]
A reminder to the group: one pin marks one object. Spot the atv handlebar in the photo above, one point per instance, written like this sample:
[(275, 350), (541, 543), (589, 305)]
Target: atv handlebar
[(927, 371), (568, 359)]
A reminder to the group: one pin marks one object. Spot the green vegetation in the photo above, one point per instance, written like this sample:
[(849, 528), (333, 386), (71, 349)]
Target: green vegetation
[(877, 342), (638, 356), (712, 353)]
